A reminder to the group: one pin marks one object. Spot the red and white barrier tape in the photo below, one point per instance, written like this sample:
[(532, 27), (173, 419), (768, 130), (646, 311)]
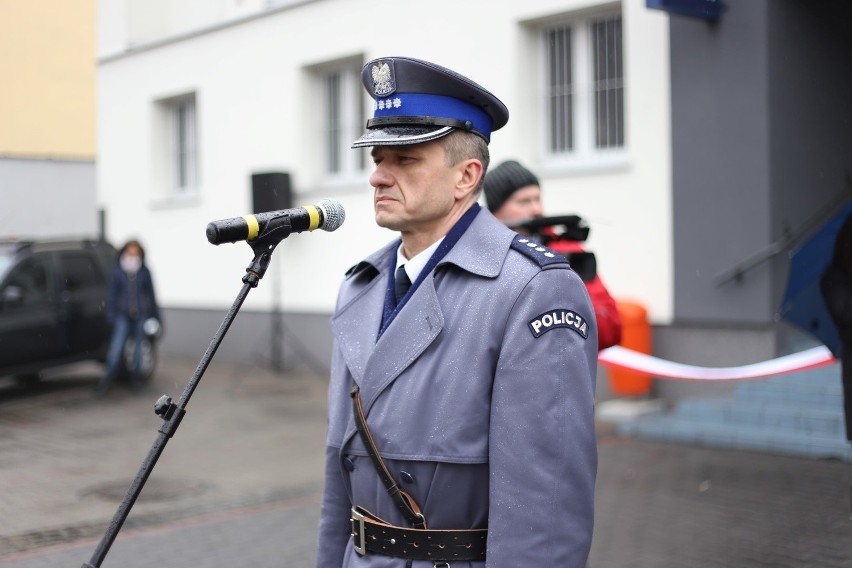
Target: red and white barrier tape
[(618, 357)]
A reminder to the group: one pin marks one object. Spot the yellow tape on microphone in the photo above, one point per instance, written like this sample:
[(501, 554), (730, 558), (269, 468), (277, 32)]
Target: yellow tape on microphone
[(253, 227), (313, 217)]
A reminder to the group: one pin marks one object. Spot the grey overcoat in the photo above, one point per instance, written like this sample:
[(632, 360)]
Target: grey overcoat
[(480, 397)]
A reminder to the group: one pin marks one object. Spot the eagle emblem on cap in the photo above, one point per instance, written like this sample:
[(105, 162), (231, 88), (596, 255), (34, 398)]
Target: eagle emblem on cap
[(383, 80)]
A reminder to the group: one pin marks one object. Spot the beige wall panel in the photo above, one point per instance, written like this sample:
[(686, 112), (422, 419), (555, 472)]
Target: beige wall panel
[(47, 73)]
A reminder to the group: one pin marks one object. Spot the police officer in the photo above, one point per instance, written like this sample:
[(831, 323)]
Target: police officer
[(461, 403)]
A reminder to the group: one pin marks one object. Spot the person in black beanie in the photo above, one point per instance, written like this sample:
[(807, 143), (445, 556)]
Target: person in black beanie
[(505, 181), (513, 195)]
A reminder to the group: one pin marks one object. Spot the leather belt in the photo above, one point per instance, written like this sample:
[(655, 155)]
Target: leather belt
[(372, 534)]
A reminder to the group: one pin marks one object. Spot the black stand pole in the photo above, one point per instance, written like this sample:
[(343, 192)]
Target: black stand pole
[(172, 413)]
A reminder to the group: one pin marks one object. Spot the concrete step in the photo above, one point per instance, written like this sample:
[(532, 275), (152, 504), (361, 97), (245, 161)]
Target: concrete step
[(669, 427), (817, 387), (825, 420), (796, 414)]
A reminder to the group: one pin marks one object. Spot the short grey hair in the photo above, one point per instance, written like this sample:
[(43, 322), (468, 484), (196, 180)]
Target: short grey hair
[(462, 145)]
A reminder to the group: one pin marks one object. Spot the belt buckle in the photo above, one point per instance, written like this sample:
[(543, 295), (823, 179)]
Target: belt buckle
[(358, 536)]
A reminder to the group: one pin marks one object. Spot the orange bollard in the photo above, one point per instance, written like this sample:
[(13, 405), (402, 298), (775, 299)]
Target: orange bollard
[(636, 335)]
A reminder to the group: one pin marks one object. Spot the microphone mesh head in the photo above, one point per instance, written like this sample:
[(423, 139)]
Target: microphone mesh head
[(333, 214)]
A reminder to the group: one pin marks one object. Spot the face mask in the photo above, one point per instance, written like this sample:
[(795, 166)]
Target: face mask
[(131, 263)]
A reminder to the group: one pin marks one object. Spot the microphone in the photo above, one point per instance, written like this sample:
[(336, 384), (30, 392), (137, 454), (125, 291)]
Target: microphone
[(327, 215)]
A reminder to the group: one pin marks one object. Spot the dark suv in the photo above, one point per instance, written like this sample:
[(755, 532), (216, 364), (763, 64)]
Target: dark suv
[(52, 302)]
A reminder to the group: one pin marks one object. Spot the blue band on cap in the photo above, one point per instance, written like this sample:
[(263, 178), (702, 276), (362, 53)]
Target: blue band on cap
[(420, 104)]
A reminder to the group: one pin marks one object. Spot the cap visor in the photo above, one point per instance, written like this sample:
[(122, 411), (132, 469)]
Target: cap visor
[(401, 135)]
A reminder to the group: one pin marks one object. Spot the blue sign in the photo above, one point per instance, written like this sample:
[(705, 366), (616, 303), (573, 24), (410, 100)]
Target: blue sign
[(706, 9)]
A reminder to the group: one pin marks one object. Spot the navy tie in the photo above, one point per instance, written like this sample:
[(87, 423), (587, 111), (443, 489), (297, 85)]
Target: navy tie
[(401, 283)]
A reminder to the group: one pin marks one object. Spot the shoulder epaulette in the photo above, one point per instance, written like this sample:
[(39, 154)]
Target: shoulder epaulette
[(539, 253)]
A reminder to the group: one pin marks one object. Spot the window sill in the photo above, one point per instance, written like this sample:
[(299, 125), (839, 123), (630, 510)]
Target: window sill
[(178, 200), (348, 183), (615, 162)]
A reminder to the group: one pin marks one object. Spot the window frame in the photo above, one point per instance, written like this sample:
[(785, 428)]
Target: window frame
[(350, 98), (584, 152), (177, 146)]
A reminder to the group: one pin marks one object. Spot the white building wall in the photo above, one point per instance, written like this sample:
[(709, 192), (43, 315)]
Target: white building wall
[(257, 112)]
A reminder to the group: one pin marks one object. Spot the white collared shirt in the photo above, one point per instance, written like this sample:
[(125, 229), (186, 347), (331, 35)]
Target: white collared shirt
[(414, 266)]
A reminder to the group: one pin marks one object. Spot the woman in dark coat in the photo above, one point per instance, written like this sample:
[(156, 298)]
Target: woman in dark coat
[(130, 302), (836, 287)]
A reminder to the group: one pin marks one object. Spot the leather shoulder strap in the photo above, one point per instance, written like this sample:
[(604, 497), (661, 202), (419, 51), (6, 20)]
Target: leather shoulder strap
[(403, 501)]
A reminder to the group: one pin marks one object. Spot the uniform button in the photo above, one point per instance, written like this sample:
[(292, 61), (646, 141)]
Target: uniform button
[(406, 477), (348, 463)]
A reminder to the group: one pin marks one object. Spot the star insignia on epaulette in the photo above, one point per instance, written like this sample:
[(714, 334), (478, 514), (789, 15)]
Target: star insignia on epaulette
[(536, 251)]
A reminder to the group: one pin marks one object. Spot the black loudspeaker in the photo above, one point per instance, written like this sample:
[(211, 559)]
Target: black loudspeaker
[(271, 192)]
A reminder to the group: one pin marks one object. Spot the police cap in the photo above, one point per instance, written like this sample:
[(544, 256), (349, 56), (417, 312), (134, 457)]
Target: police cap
[(417, 101)]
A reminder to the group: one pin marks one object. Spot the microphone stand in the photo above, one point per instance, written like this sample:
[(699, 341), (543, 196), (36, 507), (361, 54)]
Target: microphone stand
[(172, 413)]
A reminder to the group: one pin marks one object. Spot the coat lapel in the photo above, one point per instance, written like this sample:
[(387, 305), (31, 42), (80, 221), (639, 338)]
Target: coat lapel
[(355, 327), (409, 334), (359, 312)]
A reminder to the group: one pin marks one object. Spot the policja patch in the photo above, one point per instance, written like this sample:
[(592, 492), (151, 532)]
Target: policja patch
[(559, 318)]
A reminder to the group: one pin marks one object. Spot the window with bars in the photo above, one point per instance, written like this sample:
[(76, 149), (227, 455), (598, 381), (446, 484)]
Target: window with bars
[(343, 119), (608, 83), (180, 144), (584, 87)]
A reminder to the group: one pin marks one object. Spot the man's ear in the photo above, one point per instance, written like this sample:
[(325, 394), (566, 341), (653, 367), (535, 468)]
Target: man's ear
[(470, 173)]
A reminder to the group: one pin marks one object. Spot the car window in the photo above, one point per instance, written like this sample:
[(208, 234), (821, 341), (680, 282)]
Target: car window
[(28, 283), (80, 273), (7, 258)]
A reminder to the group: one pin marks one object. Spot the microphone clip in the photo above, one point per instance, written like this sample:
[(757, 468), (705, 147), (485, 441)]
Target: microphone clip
[(275, 231)]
